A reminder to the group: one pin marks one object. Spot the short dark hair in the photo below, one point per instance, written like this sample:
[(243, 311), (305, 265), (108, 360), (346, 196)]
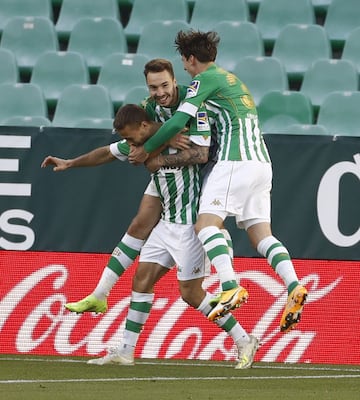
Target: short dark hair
[(159, 65), (129, 114), (202, 45)]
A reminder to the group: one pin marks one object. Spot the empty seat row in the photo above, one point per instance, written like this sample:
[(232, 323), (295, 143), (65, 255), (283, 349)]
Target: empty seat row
[(90, 106), (297, 46), (120, 72), (272, 15), (291, 112), (78, 105)]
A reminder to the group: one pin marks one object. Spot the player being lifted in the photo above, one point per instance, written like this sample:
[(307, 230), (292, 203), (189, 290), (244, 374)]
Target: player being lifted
[(240, 182)]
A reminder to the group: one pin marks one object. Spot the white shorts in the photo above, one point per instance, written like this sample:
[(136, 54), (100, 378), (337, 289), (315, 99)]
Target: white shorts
[(238, 188), (170, 244), (151, 189)]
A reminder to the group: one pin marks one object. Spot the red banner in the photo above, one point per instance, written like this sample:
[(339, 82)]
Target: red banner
[(36, 285)]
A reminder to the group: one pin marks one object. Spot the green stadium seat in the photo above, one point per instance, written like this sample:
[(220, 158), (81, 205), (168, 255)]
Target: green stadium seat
[(78, 102), (28, 38), (273, 15), (95, 39), (72, 11), (21, 8), (136, 95), (55, 70), (27, 121), (261, 75), (207, 13), (278, 110), (95, 123), (144, 12), (237, 40), (326, 76), (306, 129), (342, 17), (120, 73), (21, 99), (298, 46), (9, 72), (351, 49), (157, 38), (340, 115)]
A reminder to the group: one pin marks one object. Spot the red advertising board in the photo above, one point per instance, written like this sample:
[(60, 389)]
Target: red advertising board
[(35, 285)]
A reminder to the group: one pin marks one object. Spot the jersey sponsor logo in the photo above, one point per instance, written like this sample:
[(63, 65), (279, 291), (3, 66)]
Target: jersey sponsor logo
[(192, 89), (202, 121)]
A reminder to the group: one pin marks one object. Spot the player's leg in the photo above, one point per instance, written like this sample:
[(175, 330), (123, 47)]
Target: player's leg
[(122, 256), (279, 259), (142, 296), (193, 293), (256, 221)]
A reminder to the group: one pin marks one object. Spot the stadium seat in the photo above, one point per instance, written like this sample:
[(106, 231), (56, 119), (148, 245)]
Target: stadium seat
[(298, 46), (120, 73), (237, 40), (339, 113), (95, 123), (21, 8), (306, 129), (326, 76), (351, 49), (261, 75), (21, 99), (54, 71), (342, 17), (9, 72), (157, 38), (278, 110), (136, 95), (95, 39), (207, 13), (28, 38), (273, 15), (72, 11), (27, 121), (78, 102), (145, 11)]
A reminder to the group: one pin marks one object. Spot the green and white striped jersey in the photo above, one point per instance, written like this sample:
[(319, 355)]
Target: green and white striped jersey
[(231, 108), (178, 188)]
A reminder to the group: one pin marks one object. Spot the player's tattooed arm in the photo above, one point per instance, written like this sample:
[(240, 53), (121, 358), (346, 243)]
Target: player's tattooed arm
[(194, 155)]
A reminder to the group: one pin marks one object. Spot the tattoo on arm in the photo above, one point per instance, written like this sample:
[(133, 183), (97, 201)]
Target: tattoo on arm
[(194, 155)]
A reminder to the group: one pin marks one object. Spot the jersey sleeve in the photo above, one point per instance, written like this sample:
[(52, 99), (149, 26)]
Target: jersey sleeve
[(120, 150)]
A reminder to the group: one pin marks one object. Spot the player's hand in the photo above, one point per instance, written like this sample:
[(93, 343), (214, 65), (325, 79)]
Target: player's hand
[(137, 155), (59, 163), (180, 142)]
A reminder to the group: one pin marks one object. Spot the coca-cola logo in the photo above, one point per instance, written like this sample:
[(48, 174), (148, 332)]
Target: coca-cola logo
[(33, 319)]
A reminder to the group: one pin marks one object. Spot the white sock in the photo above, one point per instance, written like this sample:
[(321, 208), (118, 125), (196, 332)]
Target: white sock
[(105, 284)]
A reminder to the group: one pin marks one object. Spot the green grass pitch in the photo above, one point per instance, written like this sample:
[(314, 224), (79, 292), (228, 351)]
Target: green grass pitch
[(54, 378)]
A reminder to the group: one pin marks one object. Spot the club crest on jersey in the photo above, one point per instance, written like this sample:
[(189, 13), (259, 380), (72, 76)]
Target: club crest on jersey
[(202, 121), (192, 89)]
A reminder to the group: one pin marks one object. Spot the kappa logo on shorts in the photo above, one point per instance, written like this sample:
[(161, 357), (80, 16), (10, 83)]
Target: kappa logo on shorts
[(216, 202), (196, 270), (192, 89)]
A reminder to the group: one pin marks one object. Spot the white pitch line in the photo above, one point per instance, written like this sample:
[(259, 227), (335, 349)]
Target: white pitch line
[(161, 378), (285, 366)]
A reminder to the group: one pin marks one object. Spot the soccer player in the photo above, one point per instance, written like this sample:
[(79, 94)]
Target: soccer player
[(179, 189), (165, 97), (240, 182)]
